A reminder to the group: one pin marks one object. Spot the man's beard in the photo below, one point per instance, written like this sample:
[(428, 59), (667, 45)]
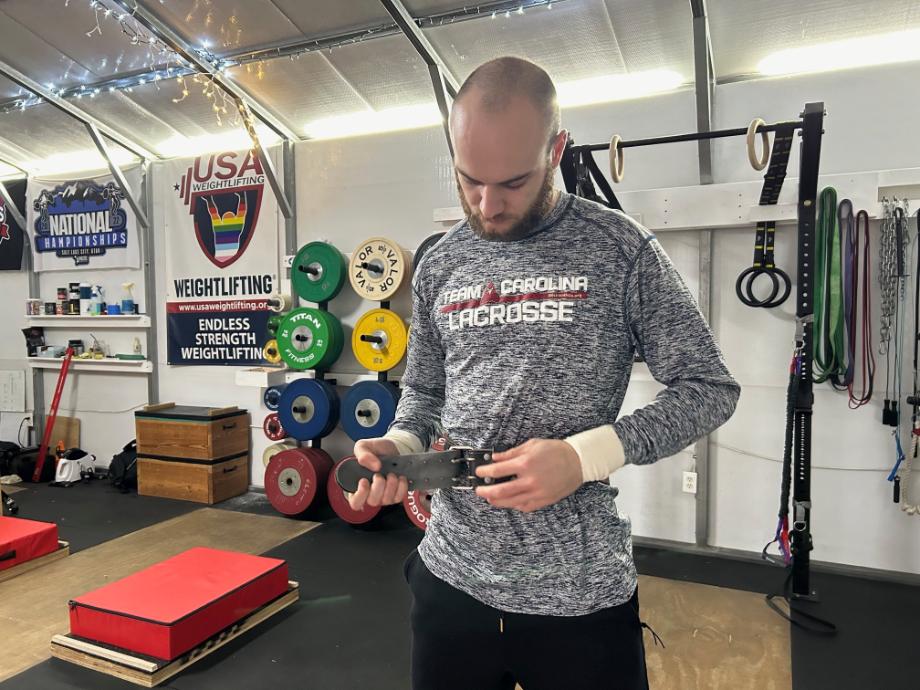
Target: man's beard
[(525, 226)]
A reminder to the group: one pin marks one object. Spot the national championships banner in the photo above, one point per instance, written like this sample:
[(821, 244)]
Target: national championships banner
[(82, 223)]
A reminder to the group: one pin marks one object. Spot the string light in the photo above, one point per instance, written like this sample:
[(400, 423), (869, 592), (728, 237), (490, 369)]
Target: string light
[(161, 56), (163, 63)]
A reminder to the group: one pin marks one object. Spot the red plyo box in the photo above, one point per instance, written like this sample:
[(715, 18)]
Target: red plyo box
[(24, 540), (175, 605)]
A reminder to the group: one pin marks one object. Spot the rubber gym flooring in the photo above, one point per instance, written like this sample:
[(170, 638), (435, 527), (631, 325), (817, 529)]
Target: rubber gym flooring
[(350, 628)]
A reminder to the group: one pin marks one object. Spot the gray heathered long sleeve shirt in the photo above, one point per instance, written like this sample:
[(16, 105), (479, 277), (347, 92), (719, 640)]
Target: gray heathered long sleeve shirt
[(535, 339)]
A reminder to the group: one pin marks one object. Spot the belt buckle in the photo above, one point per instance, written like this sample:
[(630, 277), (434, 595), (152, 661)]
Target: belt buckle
[(472, 458)]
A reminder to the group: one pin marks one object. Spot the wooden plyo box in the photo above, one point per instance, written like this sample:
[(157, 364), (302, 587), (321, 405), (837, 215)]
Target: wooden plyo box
[(168, 431), (192, 453), (193, 481)]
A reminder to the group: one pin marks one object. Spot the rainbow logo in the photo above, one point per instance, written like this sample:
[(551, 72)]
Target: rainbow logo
[(225, 222), (228, 228)]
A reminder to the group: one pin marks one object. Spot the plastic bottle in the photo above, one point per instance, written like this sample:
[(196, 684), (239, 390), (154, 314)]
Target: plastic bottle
[(127, 302)]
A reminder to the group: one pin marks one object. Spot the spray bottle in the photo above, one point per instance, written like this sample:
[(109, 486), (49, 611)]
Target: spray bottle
[(127, 302)]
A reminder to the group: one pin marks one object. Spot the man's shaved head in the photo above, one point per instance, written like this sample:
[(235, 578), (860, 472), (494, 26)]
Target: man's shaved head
[(496, 83), (504, 125)]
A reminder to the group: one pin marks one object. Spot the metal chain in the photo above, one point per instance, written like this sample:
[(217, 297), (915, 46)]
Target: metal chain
[(887, 274)]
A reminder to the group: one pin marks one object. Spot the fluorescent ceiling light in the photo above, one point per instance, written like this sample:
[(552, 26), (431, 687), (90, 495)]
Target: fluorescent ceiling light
[(86, 160), (571, 94), (374, 121), (231, 140), (881, 49), (616, 87)]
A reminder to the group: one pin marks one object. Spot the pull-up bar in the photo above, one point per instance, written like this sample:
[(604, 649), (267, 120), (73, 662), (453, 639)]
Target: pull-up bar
[(616, 145), (692, 136)]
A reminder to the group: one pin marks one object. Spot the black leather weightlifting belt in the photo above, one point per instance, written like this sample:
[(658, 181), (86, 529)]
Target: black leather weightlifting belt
[(449, 469)]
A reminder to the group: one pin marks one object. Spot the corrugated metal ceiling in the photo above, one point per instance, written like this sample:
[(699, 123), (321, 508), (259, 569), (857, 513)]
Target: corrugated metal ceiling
[(574, 39)]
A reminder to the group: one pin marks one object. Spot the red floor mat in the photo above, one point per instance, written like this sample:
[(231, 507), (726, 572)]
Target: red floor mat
[(23, 540)]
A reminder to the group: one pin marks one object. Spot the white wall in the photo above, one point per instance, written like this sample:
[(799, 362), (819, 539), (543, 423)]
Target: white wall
[(352, 189), (104, 402), (854, 521), (14, 286)]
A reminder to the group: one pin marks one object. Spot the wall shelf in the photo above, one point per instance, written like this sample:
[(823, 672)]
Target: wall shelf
[(263, 377), (120, 321), (110, 364)]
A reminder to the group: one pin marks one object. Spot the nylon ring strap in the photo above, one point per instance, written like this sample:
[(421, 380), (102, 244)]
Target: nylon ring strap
[(578, 168), (829, 346), (450, 469), (765, 234)]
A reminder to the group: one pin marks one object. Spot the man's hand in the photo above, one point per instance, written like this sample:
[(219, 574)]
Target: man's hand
[(383, 490), (547, 471)]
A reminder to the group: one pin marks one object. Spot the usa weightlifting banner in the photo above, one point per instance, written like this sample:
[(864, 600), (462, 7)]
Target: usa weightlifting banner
[(222, 225), (83, 223)]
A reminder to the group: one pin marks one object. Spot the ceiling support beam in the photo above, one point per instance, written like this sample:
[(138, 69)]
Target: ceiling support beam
[(74, 111), (702, 68), (702, 65), (193, 57), (246, 104), (119, 176), (440, 95), (420, 42)]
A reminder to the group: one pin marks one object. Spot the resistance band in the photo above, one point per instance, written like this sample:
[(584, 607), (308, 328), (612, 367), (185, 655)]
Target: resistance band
[(829, 348), (860, 356)]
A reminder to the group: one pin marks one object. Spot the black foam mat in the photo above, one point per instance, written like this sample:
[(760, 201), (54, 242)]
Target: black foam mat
[(350, 628), (875, 646)]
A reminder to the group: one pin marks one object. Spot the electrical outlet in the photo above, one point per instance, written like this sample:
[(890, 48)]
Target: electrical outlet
[(288, 260), (689, 485)]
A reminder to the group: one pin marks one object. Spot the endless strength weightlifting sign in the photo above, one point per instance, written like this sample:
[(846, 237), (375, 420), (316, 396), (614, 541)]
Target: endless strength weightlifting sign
[(221, 258)]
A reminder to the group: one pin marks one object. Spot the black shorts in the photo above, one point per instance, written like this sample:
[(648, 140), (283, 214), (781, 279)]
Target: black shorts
[(459, 643)]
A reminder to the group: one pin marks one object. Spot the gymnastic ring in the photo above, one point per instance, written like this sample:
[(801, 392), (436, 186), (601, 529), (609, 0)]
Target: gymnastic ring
[(617, 162), (761, 163), (773, 301), (743, 291)]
